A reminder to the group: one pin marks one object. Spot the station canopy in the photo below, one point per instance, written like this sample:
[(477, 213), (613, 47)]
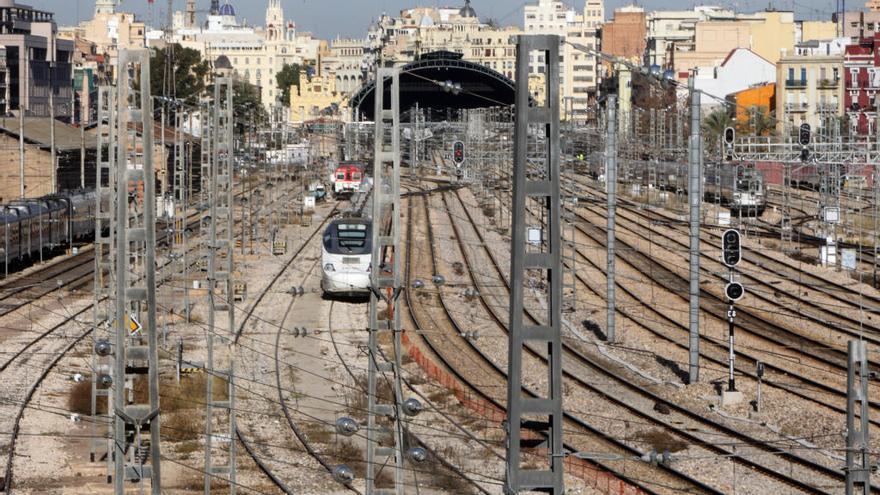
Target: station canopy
[(438, 81)]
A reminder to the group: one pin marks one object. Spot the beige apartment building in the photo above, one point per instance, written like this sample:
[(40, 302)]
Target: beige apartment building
[(578, 68), (808, 90)]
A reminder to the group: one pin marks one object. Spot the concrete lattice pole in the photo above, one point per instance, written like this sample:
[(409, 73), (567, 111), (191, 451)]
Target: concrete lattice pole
[(611, 194), (695, 193)]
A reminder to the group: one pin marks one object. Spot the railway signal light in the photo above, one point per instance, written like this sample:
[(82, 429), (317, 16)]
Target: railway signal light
[(458, 152), (731, 250), (734, 291), (729, 138), (804, 134)]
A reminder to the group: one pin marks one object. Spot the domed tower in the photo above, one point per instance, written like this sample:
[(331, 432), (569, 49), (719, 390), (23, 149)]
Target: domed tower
[(467, 11), (274, 21)]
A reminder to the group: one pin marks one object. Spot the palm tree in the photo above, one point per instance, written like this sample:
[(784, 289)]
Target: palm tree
[(758, 122), (714, 125)]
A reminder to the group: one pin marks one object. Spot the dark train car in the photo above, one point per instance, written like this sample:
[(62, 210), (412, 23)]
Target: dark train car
[(10, 235)]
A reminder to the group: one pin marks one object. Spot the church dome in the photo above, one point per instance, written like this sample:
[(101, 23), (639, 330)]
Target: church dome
[(227, 9), (467, 10)]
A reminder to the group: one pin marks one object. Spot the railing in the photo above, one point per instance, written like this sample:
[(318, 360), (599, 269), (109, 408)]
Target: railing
[(828, 83), (795, 107), (796, 83)]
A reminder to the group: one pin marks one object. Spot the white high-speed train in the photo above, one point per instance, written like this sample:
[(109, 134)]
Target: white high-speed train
[(346, 255)]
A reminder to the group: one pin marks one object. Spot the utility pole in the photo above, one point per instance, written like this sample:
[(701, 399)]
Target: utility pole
[(220, 359), (136, 349), (52, 150), (695, 196), (536, 188), (611, 194), (179, 237), (858, 469), (82, 152), (21, 147), (385, 285)]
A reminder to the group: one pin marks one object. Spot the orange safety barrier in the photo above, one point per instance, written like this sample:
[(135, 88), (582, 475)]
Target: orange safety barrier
[(591, 474)]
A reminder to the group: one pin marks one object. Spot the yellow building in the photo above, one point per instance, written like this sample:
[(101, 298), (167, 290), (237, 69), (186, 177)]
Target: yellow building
[(772, 34), (818, 30), (808, 90), (314, 96)]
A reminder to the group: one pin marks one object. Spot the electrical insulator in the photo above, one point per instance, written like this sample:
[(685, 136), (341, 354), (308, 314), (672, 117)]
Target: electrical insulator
[(412, 407)]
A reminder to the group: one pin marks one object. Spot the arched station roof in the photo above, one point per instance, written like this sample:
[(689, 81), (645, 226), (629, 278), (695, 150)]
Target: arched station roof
[(423, 81)]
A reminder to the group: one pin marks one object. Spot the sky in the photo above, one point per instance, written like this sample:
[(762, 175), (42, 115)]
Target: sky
[(328, 19)]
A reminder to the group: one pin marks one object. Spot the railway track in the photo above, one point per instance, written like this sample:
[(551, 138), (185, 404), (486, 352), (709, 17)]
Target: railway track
[(52, 349), (816, 391), (599, 378), (434, 454), (817, 350), (262, 464), (492, 387), (76, 271)]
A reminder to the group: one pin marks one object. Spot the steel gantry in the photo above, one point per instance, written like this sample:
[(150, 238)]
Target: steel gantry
[(385, 284), (220, 363), (536, 183), (104, 284), (136, 350)]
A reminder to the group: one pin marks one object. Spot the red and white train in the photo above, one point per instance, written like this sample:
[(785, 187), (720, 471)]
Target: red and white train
[(348, 178)]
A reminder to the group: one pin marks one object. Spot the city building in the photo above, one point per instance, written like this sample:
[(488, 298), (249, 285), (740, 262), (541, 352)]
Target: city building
[(671, 31), (771, 33), (316, 95), (37, 60), (858, 24), (625, 36), (578, 69), (345, 63), (862, 82), (38, 157), (748, 103), (713, 41), (255, 53), (740, 70), (808, 90), (109, 31)]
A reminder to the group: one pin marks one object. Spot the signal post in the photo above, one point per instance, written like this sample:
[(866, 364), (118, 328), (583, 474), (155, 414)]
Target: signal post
[(731, 254)]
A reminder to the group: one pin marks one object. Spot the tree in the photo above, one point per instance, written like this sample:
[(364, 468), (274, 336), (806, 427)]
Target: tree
[(285, 78), (714, 125), (247, 108), (758, 122), (189, 72)]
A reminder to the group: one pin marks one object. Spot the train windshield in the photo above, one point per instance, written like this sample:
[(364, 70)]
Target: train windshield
[(340, 175), (348, 238)]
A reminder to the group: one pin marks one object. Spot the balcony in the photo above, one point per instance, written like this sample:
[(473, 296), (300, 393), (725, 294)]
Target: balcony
[(796, 107), (828, 83), (827, 108), (796, 83)]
